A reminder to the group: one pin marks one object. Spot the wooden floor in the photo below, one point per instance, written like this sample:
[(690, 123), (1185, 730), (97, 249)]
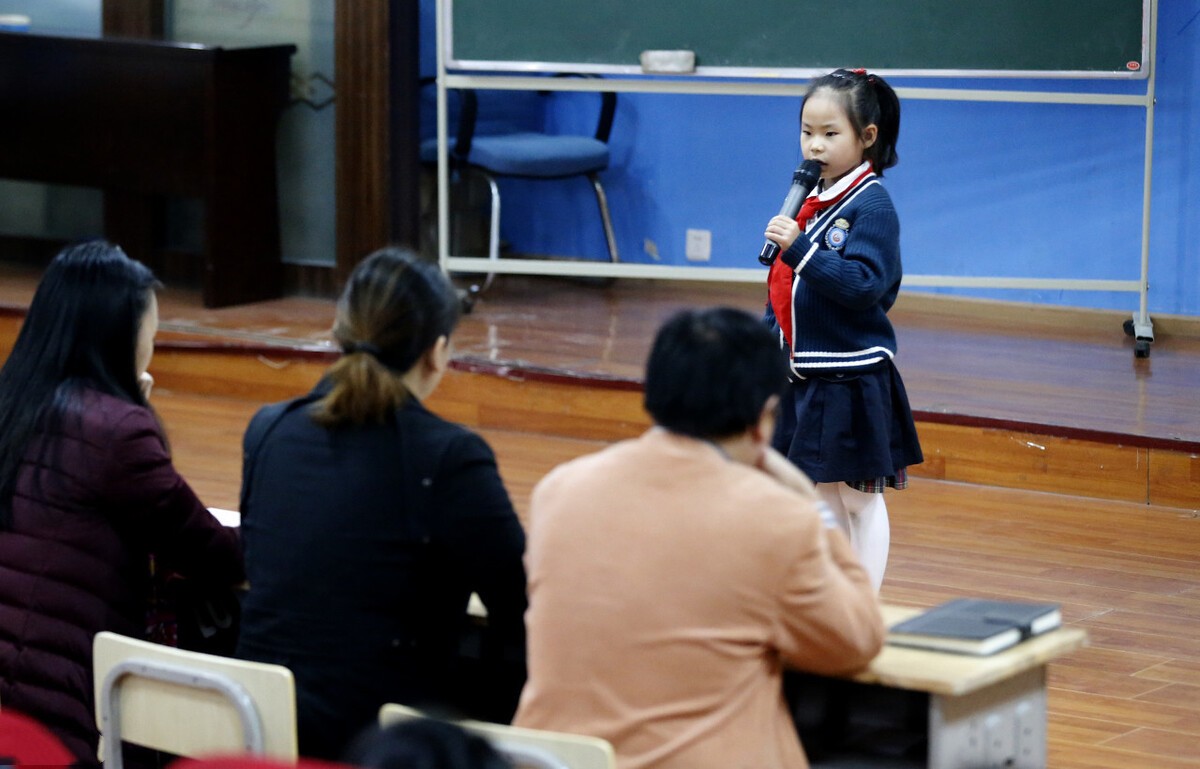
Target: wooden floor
[(1128, 573)]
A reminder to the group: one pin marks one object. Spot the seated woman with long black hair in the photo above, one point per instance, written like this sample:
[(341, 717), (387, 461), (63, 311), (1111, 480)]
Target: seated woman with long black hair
[(368, 521), (90, 502)]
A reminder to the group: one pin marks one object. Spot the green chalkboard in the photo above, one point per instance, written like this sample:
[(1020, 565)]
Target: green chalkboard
[(1099, 38)]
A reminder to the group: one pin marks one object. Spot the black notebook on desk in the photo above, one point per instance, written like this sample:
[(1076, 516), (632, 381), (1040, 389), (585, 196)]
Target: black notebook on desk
[(975, 626)]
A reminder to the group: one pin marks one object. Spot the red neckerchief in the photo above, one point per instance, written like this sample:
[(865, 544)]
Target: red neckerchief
[(779, 279)]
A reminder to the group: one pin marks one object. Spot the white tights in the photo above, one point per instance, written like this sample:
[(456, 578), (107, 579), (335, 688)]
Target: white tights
[(864, 518)]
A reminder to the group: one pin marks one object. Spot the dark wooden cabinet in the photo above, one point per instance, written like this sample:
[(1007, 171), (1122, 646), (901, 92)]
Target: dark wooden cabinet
[(144, 120)]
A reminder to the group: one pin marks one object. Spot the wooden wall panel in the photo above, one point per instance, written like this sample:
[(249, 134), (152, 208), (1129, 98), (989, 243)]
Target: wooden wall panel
[(376, 127), (553, 408), (562, 408), (1175, 479), (1031, 461), (363, 104), (262, 376)]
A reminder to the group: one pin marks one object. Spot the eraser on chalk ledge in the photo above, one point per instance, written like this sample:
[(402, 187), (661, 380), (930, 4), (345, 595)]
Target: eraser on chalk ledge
[(14, 22), (669, 62)]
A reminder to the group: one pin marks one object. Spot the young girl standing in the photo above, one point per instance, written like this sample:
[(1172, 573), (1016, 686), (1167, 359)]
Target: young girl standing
[(846, 421)]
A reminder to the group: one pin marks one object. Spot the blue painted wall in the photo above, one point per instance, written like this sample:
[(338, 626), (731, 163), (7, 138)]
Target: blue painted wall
[(1013, 190)]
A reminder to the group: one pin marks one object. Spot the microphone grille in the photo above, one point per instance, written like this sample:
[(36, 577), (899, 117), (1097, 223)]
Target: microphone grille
[(808, 173)]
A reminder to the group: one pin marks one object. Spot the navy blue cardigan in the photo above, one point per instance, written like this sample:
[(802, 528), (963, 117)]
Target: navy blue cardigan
[(847, 267)]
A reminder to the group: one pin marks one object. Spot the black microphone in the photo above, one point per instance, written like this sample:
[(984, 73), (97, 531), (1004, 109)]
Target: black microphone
[(804, 179)]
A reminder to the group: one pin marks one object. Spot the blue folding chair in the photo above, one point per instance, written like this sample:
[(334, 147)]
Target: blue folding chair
[(500, 134)]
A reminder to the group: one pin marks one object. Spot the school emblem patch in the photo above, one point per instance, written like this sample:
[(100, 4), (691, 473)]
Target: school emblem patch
[(835, 236)]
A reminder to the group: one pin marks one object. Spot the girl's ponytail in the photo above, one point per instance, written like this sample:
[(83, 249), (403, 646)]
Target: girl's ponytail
[(883, 153)]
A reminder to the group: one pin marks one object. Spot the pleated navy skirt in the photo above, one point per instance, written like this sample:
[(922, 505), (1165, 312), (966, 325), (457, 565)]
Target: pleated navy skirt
[(848, 427)]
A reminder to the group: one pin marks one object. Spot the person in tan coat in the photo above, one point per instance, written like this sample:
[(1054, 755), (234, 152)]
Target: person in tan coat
[(672, 577)]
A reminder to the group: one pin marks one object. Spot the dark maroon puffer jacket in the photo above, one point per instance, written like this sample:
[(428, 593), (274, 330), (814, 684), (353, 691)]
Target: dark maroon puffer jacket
[(92, 501)]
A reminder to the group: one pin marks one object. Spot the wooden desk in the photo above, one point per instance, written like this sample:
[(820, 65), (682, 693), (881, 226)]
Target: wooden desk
[(915, 708), (143, 120)]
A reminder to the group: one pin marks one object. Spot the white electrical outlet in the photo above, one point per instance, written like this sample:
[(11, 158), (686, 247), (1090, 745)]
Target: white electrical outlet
[(699, 245)]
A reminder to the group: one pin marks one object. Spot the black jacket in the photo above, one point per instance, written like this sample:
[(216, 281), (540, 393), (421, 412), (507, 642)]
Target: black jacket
[(362, 547)]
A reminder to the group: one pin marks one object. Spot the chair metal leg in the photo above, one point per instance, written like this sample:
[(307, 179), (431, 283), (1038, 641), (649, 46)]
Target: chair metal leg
[(468, 296), (494, 225), (494, 232), (602, 201)]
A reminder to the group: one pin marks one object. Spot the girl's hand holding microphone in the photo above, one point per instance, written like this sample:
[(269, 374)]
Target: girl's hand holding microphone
[(783, 231)]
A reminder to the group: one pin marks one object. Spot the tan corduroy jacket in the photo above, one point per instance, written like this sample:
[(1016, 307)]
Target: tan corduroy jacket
[(668, 587)]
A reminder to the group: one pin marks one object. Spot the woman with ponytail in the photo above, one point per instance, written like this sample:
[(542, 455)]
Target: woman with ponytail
[(846, 420), (368, 522)]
